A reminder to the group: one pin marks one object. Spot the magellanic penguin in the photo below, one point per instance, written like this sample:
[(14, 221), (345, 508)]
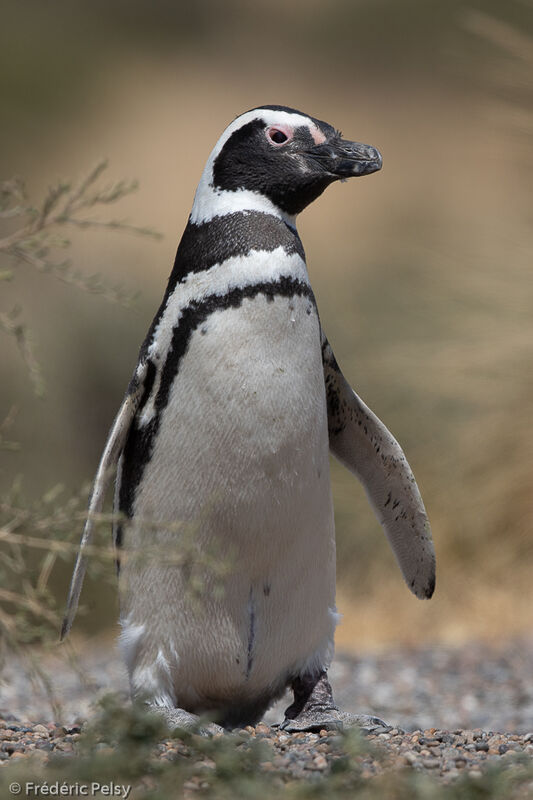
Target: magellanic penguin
[(222, 446)]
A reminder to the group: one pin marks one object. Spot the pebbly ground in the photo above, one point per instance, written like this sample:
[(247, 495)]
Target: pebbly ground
[(460, 708)]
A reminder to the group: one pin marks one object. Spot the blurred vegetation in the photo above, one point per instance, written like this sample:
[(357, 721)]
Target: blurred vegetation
[(37, 234), (33, 539), (426, 295), (34, 536), (121, 745)]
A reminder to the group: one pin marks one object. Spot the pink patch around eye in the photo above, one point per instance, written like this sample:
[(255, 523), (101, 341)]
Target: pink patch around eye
[(279, 134), (316, 133)]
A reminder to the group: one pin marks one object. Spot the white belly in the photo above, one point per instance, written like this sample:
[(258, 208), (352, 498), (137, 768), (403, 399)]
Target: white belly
[(239, 476)]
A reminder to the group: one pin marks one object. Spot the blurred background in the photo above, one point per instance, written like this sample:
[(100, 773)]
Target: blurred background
[(422, 272)]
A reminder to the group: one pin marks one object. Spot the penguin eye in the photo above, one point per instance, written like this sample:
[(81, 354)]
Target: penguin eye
[(277, 136)]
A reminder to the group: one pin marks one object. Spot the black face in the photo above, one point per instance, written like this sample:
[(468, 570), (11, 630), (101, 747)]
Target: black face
[(290, 164)]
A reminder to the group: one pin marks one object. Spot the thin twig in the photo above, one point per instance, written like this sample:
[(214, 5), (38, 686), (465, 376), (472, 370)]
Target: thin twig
[(36, 236)]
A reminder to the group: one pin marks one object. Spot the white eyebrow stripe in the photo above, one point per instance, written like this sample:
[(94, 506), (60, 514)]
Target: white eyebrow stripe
[(268, 116)]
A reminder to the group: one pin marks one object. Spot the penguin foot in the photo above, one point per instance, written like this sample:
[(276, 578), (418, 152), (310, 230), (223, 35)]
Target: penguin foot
[(314, 710), (366, 722), (315, 719), (179, 718), (332, 719)]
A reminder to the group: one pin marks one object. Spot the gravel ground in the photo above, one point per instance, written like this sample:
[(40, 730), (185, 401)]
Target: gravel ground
[(444, 754), (462, 708)]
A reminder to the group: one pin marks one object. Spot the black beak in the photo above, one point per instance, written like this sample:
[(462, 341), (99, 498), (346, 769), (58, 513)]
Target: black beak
[(344, 159)]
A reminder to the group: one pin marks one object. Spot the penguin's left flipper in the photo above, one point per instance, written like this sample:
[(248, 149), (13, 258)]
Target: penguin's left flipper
[(314, 710), (363, 444), (106, 469)]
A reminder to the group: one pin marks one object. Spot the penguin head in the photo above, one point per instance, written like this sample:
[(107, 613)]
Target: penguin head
[(281, 156)]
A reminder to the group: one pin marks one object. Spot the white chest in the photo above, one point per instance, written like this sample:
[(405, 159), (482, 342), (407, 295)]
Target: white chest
[(241, 461)]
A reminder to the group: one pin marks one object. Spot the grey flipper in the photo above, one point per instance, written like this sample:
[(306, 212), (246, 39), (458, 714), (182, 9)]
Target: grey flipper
[(363, 444), (114, 446)]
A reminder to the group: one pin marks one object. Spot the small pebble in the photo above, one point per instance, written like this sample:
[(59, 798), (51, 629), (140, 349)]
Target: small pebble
[(261, 728)]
